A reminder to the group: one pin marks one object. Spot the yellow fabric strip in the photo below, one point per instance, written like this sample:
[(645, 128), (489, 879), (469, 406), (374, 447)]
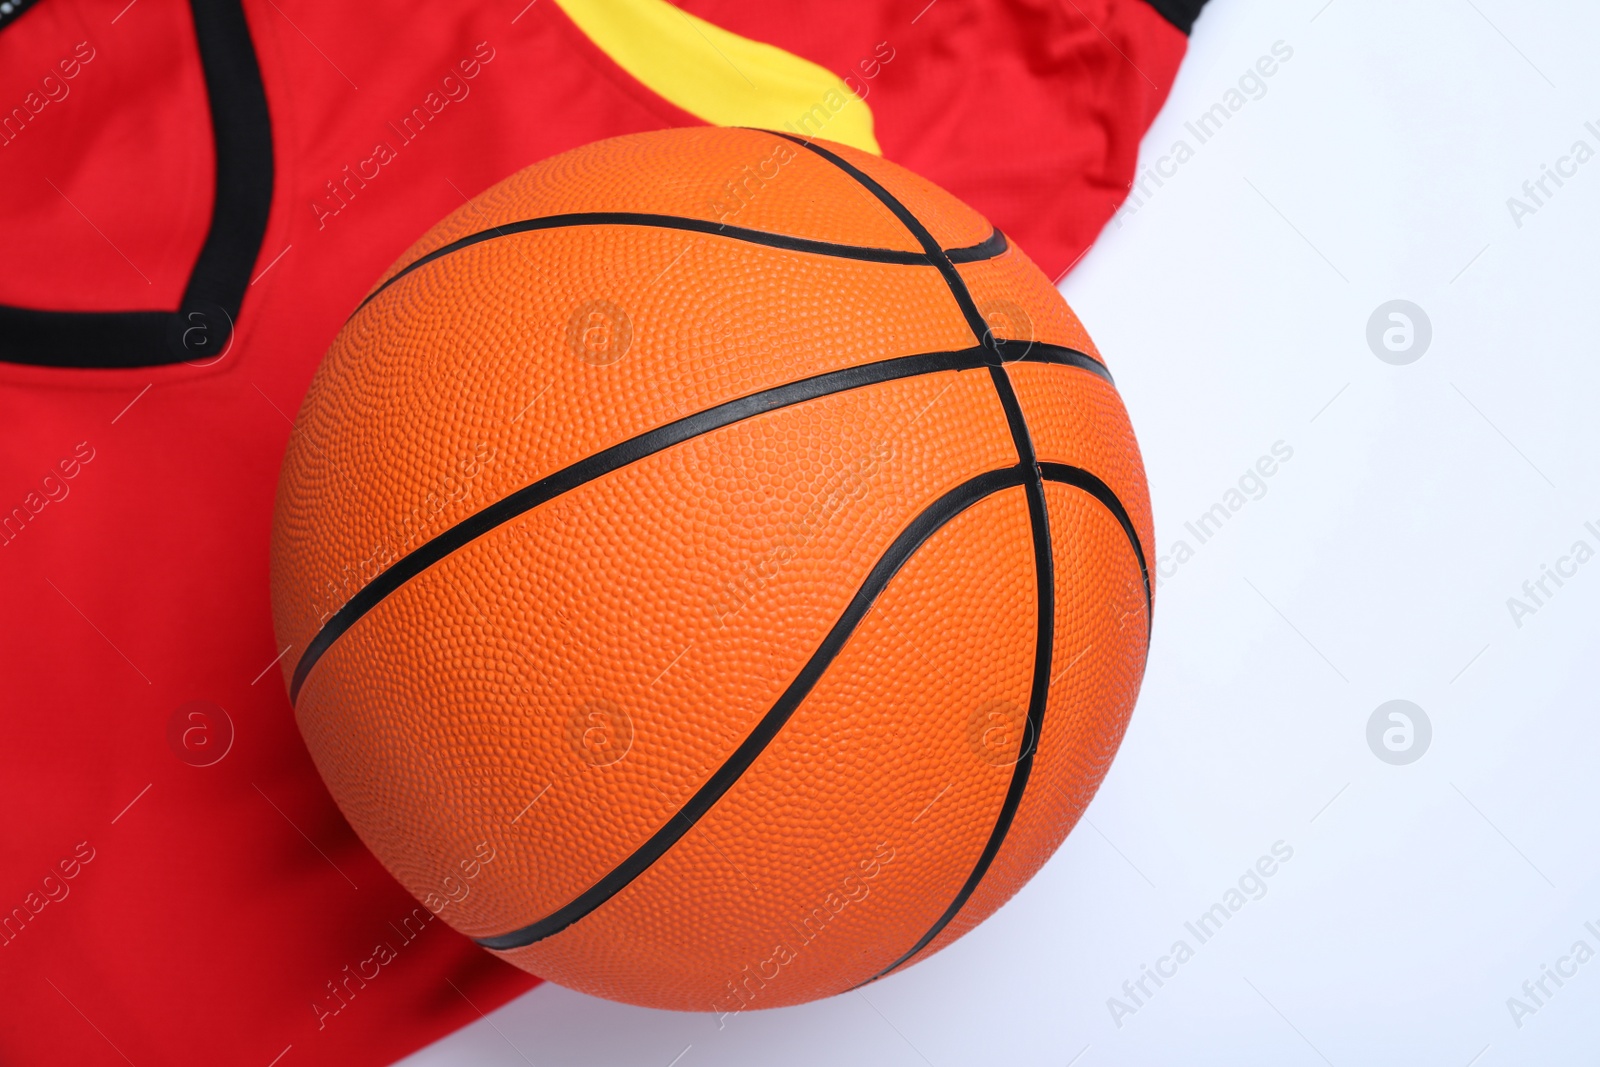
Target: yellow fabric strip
[(720, 77)]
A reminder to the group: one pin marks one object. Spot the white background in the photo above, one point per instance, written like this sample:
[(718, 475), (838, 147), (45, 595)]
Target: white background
[(1233, 307)]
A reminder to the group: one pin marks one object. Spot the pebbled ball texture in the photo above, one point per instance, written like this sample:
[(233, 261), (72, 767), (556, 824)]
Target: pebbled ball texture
[(705, 619)]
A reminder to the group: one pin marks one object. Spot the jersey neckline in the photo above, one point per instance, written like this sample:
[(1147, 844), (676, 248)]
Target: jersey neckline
[(202, 324)]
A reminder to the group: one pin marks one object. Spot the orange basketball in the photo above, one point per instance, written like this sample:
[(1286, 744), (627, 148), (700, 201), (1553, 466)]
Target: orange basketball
[(713, 566)]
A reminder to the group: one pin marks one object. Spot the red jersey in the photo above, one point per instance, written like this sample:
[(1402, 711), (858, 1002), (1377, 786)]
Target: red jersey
[(195, 197)]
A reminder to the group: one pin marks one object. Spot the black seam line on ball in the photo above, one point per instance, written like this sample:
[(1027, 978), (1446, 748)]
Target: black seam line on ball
[(1038, 352), (935, 254), (1039, 520), (636, 448), (1006, 351), (913, 537), (1079, 478), (992, 247), (1039, 688), (986, 249)]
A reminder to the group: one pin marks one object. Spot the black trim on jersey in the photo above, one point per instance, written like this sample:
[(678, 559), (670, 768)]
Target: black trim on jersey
[(202, 324), (18, 8), (1181, 13)]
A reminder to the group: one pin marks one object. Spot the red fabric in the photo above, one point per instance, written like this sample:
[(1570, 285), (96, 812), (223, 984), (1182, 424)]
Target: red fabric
[(1029, 110), (173, 913), (140, 102)]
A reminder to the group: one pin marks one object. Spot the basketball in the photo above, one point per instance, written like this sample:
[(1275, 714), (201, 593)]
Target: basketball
[(712, 567)]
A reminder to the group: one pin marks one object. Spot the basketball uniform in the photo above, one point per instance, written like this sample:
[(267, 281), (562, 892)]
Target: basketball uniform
[(195, 198)]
